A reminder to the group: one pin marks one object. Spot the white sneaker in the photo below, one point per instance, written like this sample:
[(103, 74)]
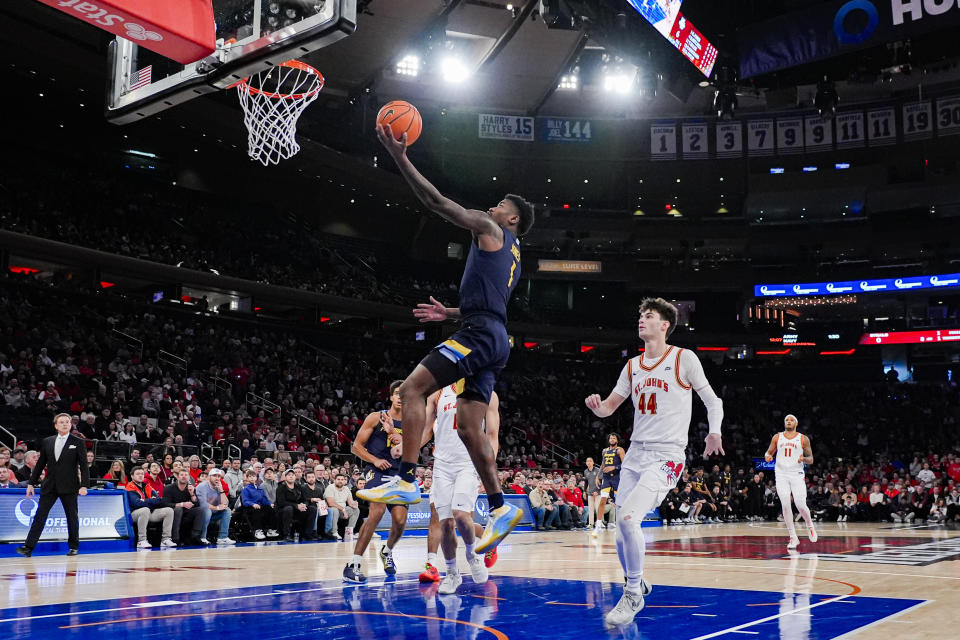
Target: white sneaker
[(596, 530), (478, 569), (812, 533), (226, 541), (339, 537), (258, 534), (794, 542), (451, 581), (143, 544), (273, 533), (168, 542), (612, 525), (204, 541), (629, 606)]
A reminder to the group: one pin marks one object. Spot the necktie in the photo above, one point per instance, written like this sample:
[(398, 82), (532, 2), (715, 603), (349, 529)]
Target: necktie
[(58, 447)]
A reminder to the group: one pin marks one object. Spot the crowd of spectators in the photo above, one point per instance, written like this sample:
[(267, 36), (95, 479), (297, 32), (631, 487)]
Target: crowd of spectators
[(200, 231), (252, 391)]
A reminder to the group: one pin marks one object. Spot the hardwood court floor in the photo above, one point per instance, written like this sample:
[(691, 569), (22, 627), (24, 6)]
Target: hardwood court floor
[(733, 580)]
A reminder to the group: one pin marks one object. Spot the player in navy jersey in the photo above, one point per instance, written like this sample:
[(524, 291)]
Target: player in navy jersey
[(379, 434), (611, 460), (477, 352)]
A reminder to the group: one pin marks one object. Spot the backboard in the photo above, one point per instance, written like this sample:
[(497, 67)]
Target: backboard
[(252, 35)]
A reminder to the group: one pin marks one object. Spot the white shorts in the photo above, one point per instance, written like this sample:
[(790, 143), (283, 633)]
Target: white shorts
[(792, 483), (655, 471), (454, 488)]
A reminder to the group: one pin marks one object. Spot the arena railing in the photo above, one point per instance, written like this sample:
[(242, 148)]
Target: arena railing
[(13, 438)]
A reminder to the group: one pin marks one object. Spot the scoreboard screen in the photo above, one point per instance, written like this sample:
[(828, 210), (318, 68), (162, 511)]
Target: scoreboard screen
[(665, 16), (912, 337)]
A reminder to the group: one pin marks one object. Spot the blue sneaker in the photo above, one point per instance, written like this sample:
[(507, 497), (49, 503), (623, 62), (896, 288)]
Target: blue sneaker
[(351, 573), (387, 558), (501, 522), (394, 491)]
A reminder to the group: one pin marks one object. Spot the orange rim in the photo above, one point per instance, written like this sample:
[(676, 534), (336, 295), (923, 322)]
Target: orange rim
[(293, 64)]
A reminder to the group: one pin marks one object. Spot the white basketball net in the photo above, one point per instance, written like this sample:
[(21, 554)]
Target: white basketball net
[(272, 102)]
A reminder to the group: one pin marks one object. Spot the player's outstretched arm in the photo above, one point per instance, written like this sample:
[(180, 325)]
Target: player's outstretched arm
[(476, 221), (604, 408), (807, 450), (430, 418), (772, 449), (692, 370), (435, 311)]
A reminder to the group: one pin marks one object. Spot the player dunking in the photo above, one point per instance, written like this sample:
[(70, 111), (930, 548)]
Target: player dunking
[(793, 450), (477, 352), (455, 483), (659, 383), (611, 460), (379, 433)]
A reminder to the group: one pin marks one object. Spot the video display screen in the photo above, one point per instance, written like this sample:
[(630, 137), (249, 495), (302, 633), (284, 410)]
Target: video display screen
[(666, 18)]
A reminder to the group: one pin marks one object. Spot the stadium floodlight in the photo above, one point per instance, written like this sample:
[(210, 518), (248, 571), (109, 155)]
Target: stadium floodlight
[(454, 70), (569, 82), (409, 65), (618, 81)]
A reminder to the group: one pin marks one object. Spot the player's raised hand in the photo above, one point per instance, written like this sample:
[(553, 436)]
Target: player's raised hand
[(433, 312), (714, 445), (593, 402), (396, 148)]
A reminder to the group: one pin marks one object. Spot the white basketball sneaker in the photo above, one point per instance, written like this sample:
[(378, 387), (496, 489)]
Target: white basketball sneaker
[(478, 569), (812, 533), (629, 606), (794, 542), (450, 582)]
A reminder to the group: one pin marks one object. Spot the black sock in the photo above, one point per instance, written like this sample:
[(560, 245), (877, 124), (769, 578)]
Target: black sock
[(408, 471), (495, 500)]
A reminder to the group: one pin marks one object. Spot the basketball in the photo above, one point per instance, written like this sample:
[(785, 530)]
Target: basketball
[(402, 117)]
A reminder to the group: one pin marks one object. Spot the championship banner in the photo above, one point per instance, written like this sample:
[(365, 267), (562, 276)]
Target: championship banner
[(663, 141), (835, 28), (851, 131), (418, 515), (789, 136), (819, 133), (917, 121), (104, 515), (729, 139), (948, 116), (503, 127), (694, 137), (882, 127), (565, 130), (760, 137)]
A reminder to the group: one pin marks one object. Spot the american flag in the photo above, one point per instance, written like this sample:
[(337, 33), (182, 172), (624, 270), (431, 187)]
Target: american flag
[(141, 78)]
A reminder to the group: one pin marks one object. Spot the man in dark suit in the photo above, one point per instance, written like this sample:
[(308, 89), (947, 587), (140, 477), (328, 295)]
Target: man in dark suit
[(65, 458)]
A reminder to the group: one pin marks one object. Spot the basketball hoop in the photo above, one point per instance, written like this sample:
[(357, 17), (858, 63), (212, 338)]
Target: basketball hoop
[(272, 102)]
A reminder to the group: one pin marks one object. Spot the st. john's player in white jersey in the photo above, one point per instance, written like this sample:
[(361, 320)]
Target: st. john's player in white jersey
[(660, 384), (793, 450), (455, 481)]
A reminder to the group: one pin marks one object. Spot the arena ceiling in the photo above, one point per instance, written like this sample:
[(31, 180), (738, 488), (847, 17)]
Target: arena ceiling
[(513, 61)]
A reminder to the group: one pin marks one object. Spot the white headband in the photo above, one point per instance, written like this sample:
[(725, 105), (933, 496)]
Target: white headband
[(790, 415)]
